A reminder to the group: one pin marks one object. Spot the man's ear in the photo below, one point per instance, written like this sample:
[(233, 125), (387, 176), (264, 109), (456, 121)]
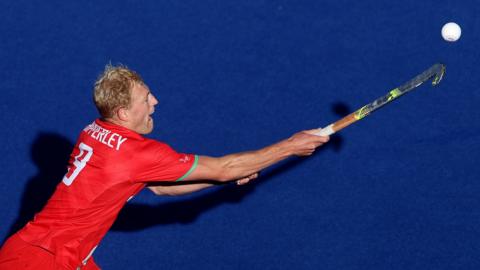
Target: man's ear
[(122, 114)]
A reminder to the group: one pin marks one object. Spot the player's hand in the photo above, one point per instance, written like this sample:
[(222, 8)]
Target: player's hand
[(305, 142), (247, 179)]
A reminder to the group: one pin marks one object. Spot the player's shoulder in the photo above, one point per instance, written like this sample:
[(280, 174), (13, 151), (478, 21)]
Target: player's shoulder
[(153, 144)]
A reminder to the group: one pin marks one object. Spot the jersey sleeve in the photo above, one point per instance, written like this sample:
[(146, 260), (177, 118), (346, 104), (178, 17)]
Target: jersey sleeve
[(157, 161)]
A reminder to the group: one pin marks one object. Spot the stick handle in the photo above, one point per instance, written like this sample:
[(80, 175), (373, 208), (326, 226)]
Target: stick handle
[(326, 131), (338, 125)]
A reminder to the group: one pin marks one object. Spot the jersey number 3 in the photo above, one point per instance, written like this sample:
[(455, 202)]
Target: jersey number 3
[(78, 164)]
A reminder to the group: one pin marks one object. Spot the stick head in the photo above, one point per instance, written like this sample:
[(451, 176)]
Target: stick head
[(438, 70)]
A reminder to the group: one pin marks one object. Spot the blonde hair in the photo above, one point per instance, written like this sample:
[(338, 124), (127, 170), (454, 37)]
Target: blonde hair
[(112, 89)]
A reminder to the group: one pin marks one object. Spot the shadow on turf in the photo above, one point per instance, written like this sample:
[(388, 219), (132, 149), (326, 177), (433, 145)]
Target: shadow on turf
[(50, 153)]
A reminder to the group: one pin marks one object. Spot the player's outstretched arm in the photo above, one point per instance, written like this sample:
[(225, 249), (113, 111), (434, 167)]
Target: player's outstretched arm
[(240, 165), (182, 188)]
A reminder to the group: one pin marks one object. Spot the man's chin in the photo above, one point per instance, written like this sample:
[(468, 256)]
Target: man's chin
[(149, 128)]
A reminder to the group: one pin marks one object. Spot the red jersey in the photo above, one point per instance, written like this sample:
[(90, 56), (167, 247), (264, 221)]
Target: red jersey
[(108, 166)]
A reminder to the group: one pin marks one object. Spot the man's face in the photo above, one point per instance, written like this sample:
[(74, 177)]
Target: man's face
[(142, 106)]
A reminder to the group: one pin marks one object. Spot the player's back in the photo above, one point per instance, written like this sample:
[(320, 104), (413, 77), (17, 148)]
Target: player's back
[(95, 188)]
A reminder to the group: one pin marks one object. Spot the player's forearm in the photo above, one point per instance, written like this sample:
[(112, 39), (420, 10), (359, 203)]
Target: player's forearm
[(242, 164), (237, 166), (180, 189)]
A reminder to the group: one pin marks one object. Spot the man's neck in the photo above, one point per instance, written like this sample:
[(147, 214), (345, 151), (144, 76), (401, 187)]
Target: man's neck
[(117, 122)]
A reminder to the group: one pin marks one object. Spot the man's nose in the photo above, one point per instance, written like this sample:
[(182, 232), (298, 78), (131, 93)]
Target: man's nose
[(154, 100)]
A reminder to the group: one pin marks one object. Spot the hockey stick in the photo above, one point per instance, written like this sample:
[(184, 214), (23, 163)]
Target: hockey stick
[(436, 72)]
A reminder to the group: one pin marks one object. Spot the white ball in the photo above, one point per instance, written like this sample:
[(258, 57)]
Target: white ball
[(451, 32)]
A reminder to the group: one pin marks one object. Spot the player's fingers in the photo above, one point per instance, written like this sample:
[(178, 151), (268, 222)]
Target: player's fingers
[(322, 139), (307, 152), (319, 140), (313, 131), (320, 144), (247, 179), (243, 181)]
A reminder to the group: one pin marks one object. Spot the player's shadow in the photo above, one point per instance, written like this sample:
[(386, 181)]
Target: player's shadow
[(134, 217), (50, 153)]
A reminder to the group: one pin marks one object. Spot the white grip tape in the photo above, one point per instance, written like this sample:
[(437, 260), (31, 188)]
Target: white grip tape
[(326, 131)]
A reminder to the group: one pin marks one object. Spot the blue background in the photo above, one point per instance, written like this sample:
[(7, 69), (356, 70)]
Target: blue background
[(398, 190)]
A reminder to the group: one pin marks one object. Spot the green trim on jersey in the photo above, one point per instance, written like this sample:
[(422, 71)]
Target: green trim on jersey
[(195, 163)]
